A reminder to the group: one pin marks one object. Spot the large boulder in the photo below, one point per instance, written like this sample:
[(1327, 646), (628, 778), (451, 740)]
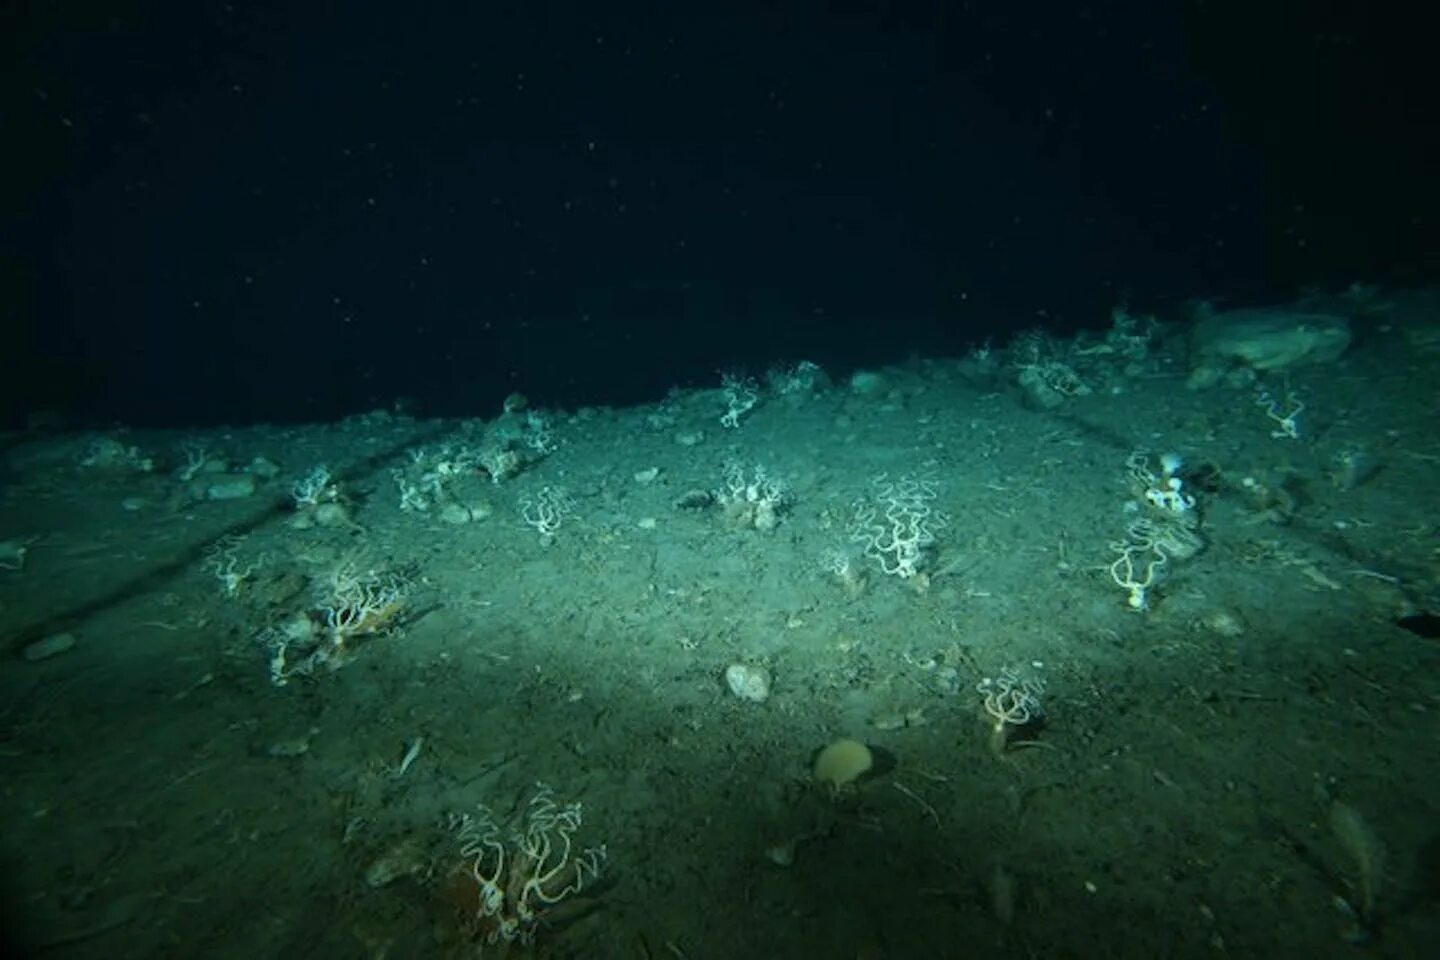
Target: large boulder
[(1264, 338)]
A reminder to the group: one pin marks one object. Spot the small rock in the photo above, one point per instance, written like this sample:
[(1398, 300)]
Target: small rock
[(294, 747), (12, 554), (747, 682), (456, 513), (405, 858), (694, 500), (264, 468), (51, 646), (330, 515), (234, 487), (1225, 623), (888, 721)]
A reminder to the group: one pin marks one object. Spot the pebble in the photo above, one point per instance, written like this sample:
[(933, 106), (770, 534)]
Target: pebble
[(51, 646)]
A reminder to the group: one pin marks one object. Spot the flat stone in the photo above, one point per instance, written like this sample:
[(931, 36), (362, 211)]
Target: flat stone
[(51, 646)]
